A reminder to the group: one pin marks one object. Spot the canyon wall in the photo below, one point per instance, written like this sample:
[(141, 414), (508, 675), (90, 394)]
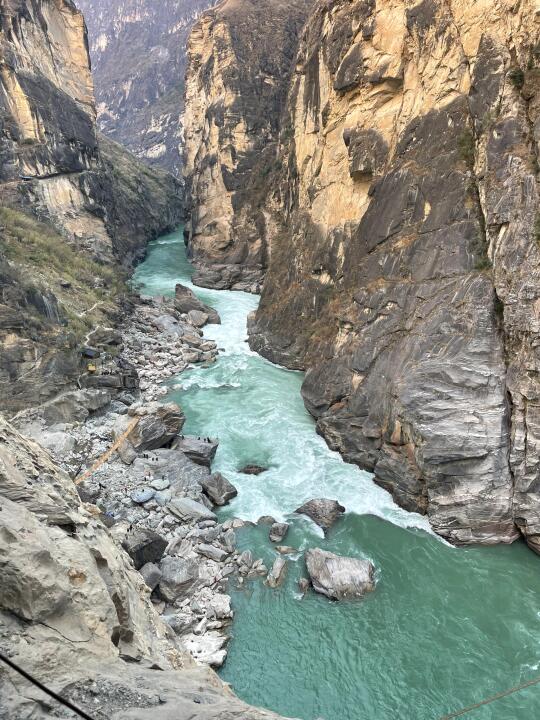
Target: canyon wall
[(138, 50), (403, 251), (76, 211), (240, 57)]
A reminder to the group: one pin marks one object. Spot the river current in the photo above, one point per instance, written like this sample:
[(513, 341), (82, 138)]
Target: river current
[(444, 628)]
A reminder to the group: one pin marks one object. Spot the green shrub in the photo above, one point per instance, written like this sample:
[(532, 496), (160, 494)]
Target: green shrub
[(517, 77), (466, 147)]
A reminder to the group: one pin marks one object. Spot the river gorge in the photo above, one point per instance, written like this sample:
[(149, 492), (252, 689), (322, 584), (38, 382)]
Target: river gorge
[(444, 628)]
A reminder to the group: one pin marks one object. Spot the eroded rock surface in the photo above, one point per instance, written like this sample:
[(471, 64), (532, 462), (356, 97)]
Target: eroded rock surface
[(240, 57), (404, 265)]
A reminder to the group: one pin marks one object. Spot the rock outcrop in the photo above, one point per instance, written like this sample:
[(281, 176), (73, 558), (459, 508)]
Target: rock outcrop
[(404, 270), (76, 210), (138, 50), (240, 57), (75, 613)]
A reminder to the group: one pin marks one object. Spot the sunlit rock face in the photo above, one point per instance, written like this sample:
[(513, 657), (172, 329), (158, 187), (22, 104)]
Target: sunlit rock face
[(240, 58), (75, 209), (138, 50), (404, 257)]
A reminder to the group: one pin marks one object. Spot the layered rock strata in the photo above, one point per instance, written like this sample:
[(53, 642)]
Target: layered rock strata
[(240, 59), (402, 244)]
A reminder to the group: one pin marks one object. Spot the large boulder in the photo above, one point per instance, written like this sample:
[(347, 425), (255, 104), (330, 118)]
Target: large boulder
[(276, 576), (322, 511), (144, 546), (188, 510), (185, 301), (278, 531), (158, 425), (339, 577), (178, 576), (218, 489), (201, 450)]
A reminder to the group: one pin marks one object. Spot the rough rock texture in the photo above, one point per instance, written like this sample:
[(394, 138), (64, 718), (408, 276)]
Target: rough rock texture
[(337, 577), (77, 615), (138, 50), (404, 265), (240, 57), (74, 210), (322, 511)]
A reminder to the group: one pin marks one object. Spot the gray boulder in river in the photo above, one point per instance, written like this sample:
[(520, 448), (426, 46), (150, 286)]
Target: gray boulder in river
[(322, 511), (339, 577), (185, 301)]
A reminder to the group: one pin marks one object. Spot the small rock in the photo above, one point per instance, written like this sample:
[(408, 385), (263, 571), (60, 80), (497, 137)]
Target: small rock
[(278, 531), (266, 520), (303, 585), (253, 470), (160, 484), (286, 550)]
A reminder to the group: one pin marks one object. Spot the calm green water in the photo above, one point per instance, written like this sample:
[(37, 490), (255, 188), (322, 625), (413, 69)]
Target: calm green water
[(444, 628)]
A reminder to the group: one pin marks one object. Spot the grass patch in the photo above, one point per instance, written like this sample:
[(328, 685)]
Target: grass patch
[(44, 258)]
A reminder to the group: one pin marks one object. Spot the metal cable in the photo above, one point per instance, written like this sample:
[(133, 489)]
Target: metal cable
[(38, 684)]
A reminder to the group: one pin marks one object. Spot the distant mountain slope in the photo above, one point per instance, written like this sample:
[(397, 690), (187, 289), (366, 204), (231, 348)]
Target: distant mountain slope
[(138, 50)]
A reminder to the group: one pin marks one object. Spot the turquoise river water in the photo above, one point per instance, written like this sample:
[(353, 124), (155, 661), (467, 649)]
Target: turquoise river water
[(444, 628)]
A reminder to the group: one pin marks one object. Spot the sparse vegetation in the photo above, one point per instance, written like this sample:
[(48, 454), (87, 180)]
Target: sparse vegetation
[(537, 229), (466, 147), (517, 77), (41, 256)]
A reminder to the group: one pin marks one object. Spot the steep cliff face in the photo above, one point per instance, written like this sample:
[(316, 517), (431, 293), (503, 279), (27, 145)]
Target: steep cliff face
[(240, 60), (138, 50), (74, 210), (404, 271), (76, 614)]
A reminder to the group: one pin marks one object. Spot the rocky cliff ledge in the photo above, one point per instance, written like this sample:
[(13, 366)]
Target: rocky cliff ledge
[(76, 614), (404, 254), (240, 57), (74, 208)]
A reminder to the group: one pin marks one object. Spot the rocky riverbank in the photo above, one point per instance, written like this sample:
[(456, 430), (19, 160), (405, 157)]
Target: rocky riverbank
[(156, 492)]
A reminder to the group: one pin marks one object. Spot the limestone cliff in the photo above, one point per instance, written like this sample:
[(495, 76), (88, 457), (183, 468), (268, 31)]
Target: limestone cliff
[(404, 272), (240, 57), (73, 209), (76, 614), (138, 50)]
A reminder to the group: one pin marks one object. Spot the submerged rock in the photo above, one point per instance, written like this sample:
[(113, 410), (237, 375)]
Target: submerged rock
[(322, 511), (339, 577), (252, 470)]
